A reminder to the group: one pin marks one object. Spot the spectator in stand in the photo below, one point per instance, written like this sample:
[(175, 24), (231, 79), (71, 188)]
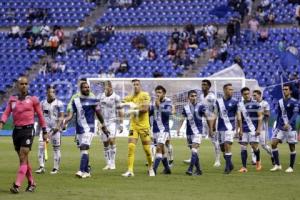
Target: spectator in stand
[(213, 54), (152, 54), (144, 54), (193, 43), (62, 49), (230, 31), (295, 84), (58, 31), (30, 43), (265, 4), (253, 25), (238, 60), (223, 53), (124, 66), (237, 29), (263, 34), (140, 42), (172, 49), (114, 67), (38, 43), (175, 35), (298, 14), (45, 31), (15, 32), (190, 28), (94, 55), (54, 42)]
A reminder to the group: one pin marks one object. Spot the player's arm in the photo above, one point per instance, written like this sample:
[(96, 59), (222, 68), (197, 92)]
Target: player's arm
[(181, 120), (70, 115), (38, 109), (294, 116), (260, 122), (145, 104), (120, 113), (266, 114), (61, 115), (239, 128), (5, 115), (101, 119), (210, 123)]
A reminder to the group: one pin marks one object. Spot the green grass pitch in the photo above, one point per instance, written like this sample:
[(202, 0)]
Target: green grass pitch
[(213, 184)]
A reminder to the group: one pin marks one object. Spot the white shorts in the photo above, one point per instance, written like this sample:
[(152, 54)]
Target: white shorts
[(249, 137), (225, 136), (55, 139), (161, 137), (195, 138), (113, 130), (289, 136), (85, 138)]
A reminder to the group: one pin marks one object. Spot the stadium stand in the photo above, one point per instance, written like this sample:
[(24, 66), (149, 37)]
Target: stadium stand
[(39, 12)]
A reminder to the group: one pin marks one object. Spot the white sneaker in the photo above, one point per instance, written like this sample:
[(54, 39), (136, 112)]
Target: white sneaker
[(107, 167), (151, 172), (128, 174), (112, 166), (80, 174), (54, 171), (289, 170), (188, 161), (40, 170), (276, 168), (217, 164), (86, 175)]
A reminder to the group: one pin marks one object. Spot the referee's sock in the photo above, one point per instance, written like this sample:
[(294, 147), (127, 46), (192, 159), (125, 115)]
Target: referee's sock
[(29, 174), (21, 174)]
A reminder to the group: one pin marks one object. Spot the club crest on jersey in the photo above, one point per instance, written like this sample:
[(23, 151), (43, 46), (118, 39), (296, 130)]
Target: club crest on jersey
[(229, 104), (288, 105)]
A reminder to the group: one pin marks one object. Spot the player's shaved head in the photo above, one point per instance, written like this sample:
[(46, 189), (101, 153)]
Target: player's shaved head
[(136, 85), (108, 88), (23, 85)]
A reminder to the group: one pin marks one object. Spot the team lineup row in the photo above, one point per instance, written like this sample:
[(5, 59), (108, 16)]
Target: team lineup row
[(220, 118)]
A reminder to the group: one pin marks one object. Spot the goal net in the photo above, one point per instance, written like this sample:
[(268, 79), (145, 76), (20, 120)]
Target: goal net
[(177, 89)]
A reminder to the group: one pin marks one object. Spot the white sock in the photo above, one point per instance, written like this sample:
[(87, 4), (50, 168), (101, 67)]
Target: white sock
[(113, 151), (217, 150), (107, 155), (153, 151), (268, 149), (56, 156), (253, 156), (41, 154), (170, 155)]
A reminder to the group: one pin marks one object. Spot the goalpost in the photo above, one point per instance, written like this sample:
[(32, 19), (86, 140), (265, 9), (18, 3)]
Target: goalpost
[(177, 89)]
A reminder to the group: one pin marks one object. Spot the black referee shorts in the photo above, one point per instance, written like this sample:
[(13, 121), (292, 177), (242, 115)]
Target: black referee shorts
[(23, 136)]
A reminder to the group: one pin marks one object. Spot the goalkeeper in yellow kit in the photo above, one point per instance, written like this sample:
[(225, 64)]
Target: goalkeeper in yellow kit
[(138, 104)]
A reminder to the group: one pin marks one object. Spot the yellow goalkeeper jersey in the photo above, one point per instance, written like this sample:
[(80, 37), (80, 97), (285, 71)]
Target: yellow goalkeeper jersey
[(142, 120)]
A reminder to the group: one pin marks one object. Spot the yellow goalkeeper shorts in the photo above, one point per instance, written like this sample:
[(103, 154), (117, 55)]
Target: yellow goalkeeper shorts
[(144, 134)]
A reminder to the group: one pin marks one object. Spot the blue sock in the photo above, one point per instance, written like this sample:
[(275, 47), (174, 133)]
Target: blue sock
[(197, 163), (193, 161), (227, 161), (83, 162), (292, 159), (276, 156), (87, 164), (156, 163), (257, 154), (166, 164), (244, 156)]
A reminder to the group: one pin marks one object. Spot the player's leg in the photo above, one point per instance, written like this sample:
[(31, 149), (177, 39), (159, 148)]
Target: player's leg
[(161, 155), (132, 140), (189, 144), (196, 141), (41, 157), (169, 152), (56, 142), (113, 152), (146, 141), (23, 141), (84, 140), (226, 138), (277, 137), (263, 142), (255, 148), (244, 154), (106, 151), (217, 149), (292, 140)]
